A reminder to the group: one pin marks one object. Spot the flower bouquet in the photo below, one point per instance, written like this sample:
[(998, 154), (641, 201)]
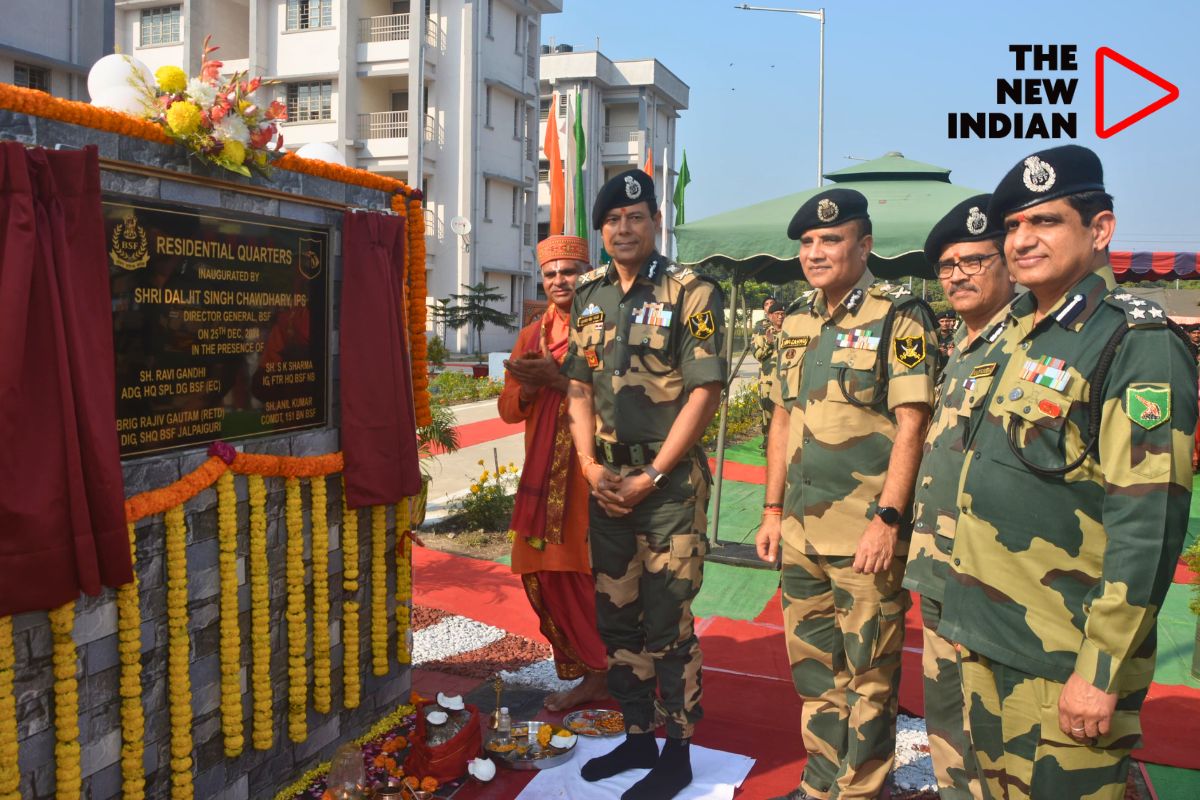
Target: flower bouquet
[(218, 121)]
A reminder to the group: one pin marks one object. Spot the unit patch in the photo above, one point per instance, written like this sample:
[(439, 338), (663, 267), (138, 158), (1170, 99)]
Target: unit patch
[(910, 350), (701, 324), (593, 360), (1148, 404)]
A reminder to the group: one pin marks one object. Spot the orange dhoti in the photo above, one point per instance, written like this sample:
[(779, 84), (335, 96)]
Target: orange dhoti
[(550, 522)]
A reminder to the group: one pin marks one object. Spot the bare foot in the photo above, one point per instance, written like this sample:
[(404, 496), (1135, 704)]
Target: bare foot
[(594, 686)]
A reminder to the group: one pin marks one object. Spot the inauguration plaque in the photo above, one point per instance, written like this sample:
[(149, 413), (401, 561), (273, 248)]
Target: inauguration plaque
[(220, 325)]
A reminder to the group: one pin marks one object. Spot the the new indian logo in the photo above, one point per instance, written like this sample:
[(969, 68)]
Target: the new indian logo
[(129, 246)]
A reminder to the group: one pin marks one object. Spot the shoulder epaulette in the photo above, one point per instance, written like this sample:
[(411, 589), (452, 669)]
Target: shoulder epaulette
[(1139, 313), (896, 292), (595, 274), (803, 301)]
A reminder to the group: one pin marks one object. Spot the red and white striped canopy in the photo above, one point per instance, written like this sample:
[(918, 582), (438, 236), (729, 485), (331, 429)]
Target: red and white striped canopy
[(1130, 266)]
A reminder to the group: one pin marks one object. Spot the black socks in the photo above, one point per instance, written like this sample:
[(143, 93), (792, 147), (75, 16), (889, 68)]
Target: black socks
[(638, 751), (669, 776)]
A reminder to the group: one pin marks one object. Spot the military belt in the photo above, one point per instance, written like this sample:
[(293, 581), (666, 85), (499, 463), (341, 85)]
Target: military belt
[(627, 454)]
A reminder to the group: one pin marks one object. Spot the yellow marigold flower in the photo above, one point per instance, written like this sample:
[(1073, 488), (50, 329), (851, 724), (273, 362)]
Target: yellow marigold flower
[(481, 462), (503, 469), (234, 152), (486, 474), (474, 488), (183, 118), (171, 79)]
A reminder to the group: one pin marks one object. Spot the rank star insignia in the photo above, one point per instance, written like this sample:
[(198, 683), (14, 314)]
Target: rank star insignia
[(633, 189), (701, 325), (1148, 405), (827, 210), (910, 350), (1156, 312), (976, 221), (1039, 176), (1137, 312)]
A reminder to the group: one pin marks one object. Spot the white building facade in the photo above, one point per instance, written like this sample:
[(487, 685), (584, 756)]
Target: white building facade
[(630, 110), (51, 44), (441, 94)]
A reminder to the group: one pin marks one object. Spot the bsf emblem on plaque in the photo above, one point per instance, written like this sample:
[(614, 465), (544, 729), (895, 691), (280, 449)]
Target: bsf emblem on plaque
[(910, 350), (129, 248), (309, 258), (701, 324)]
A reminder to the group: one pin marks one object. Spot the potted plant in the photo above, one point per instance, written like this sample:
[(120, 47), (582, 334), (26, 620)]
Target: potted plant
[(438, 437)]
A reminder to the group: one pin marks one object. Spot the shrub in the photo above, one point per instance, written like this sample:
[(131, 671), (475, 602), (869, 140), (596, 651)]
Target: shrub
[(436, 353), (489, 506), (449, 388), (745, 418)]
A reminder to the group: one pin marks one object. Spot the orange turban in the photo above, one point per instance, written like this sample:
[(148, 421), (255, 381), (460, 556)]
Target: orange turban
[(553, 248)]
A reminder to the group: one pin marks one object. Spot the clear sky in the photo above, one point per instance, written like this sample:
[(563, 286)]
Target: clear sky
[(893, 71)]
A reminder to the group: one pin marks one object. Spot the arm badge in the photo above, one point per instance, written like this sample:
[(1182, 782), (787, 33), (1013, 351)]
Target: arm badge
[(910, 350), (1149, 404), (701, 324)]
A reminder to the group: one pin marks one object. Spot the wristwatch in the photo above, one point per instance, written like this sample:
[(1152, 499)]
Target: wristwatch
[(888, 514), (659, 480)]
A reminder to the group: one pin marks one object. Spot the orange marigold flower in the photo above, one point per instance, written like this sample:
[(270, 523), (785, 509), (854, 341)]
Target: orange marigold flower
[(429, 784)]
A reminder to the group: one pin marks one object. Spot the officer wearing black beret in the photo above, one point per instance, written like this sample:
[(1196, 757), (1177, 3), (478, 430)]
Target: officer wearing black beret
[(646, 369), (1073, 497), (830, 208)]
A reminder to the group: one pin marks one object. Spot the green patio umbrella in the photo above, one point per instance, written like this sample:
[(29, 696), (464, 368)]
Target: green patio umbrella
[(907, 197)]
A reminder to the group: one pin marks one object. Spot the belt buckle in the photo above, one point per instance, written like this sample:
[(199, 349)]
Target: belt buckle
[(608, 452), (637, 455)]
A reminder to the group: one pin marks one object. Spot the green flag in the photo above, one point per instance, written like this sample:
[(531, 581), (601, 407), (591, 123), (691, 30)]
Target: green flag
[(681, 183), (581, 215)]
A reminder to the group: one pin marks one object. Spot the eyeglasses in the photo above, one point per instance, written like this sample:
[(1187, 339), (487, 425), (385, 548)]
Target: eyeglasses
[(968, 265)]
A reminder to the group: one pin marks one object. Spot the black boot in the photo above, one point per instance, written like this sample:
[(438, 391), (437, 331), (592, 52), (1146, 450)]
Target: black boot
[(670, 776), (638, 751)]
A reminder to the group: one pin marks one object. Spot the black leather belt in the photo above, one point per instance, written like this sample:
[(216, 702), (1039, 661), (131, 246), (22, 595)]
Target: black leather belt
[(620, 454)]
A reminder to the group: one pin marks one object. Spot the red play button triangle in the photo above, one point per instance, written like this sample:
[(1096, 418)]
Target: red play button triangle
[(1172, 92)]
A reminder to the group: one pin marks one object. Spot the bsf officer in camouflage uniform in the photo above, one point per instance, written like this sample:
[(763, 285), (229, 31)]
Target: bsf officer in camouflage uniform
[(1073, 500), (763, 345), (966, 253), (646, 376), (853, 394)]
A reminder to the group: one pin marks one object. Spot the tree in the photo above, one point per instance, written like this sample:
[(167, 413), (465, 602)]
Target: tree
[(472, 309), (439, 314)]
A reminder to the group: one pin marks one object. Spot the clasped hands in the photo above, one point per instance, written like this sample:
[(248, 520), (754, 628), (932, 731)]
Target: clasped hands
[(533, 372), (616, 494)]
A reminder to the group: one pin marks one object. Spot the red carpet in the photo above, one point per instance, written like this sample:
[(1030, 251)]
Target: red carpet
[(1183, 574), (482, 590), (746, 473), (486, 430)]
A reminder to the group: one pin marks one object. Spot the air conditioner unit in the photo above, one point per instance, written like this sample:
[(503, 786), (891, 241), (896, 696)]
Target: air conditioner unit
[(564, 48)]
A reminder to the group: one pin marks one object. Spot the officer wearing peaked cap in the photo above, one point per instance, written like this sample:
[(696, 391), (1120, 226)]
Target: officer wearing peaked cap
[(852, 395), (1089, 423), (646, 376), (964, 249)]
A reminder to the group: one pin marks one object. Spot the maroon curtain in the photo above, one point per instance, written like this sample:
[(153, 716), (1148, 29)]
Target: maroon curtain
[(62, 514), (379, 435)]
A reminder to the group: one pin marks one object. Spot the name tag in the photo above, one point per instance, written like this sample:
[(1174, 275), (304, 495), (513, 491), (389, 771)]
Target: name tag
[(588, 319), (983, 371), (795, 341)]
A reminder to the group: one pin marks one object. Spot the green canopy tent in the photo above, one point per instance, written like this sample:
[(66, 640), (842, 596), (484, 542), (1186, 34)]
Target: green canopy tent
[(906, 198)]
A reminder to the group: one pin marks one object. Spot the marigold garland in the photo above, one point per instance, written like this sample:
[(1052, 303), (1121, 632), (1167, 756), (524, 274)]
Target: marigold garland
[(68, 778), (262, 731), (351, 682), (129, 645), (10, 774), (179, 680), (403, 580), (322, 701), (297, 616), (379, 618), (231, 635), (417, 309)]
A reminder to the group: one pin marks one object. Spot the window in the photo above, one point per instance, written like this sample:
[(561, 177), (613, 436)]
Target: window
[(518, 35), (487, 107), (562, 105), (305, 14), (489, 17), (531, 51), (544, 108), (544, 170), (160, 26), (487, 200), (514, 293), (310, 101), (516, 205), (516, 118), (31, 77)]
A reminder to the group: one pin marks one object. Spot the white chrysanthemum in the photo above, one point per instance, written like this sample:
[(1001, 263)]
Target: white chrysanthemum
[(201, 92), (231, 127)]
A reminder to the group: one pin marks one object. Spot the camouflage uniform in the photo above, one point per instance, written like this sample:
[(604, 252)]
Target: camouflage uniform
[(764, 353), (1061, 574), (962, 390), (642, 353), (845, 630)]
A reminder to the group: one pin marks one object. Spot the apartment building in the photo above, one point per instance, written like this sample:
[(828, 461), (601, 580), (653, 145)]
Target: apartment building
[(439, 93), (630, 109), (54, 48)]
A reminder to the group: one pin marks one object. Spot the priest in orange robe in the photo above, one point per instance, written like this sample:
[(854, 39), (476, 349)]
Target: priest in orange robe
[(550, 517)]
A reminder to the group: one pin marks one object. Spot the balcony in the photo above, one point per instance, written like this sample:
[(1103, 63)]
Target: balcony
[(384, 44), (435, 137), (621, 142), (434, 230), (383, 136)]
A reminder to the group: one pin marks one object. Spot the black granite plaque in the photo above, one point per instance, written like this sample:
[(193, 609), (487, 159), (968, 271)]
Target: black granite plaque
[(220, 323)]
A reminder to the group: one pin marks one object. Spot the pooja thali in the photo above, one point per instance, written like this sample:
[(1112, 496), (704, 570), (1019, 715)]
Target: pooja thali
[(595, 722), (533, 745)]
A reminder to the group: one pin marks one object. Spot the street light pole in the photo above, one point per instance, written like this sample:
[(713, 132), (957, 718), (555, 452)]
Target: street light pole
[(818, 15)]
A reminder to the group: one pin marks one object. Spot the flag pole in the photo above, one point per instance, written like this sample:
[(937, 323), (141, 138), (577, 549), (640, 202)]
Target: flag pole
[(666, 203)]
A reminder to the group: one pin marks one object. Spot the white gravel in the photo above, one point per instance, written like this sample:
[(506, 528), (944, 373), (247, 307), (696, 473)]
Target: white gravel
[(451, 636), (540, 675), (914, 767)]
